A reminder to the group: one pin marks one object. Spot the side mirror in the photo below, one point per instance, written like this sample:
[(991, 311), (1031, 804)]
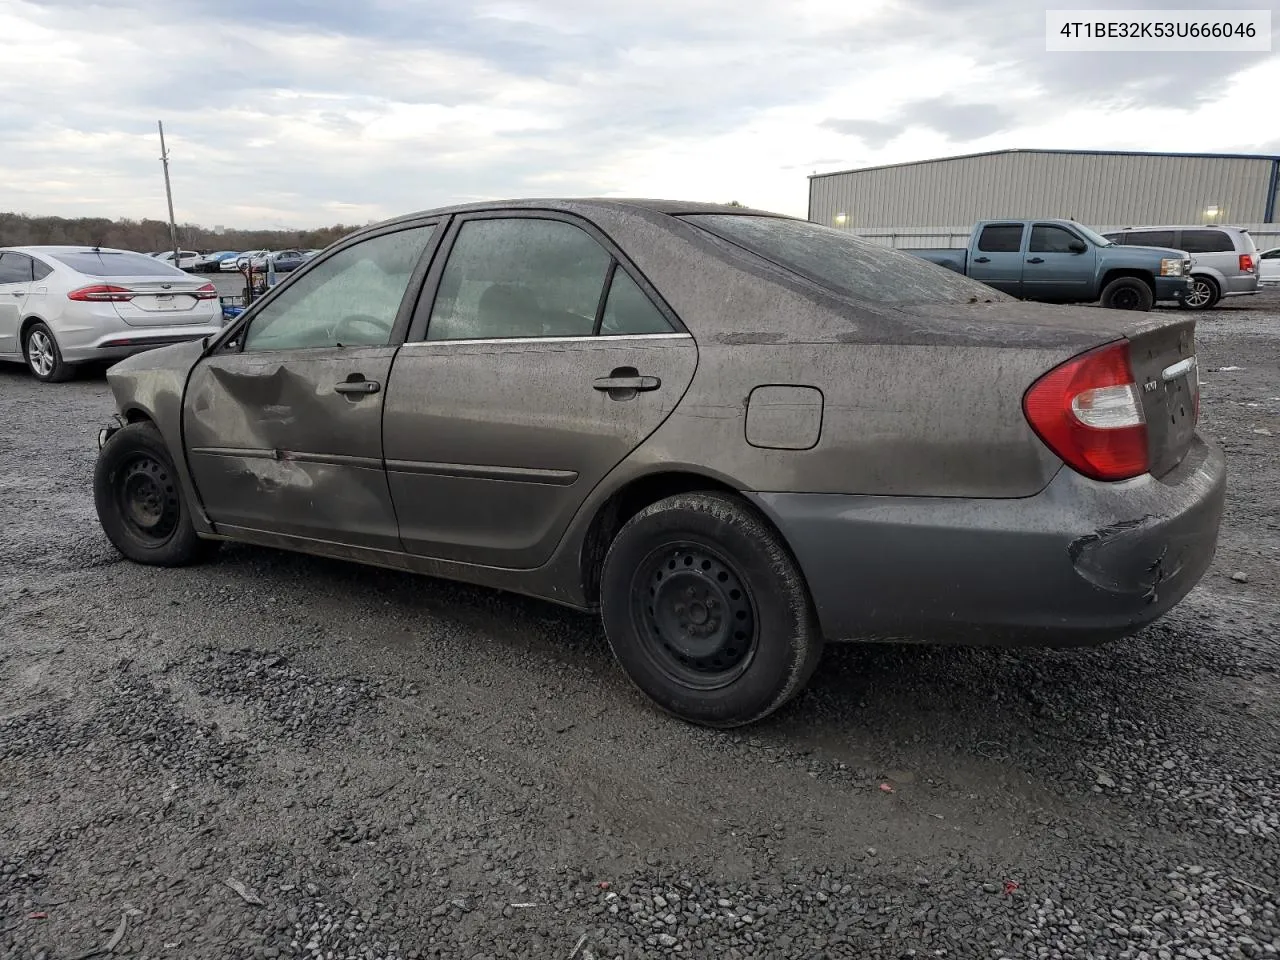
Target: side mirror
[(1077, 246)]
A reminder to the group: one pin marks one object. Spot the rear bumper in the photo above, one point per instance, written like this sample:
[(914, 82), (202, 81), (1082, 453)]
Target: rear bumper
[(1172, 288), (125, 341), (1241, 285), (1081, 562)]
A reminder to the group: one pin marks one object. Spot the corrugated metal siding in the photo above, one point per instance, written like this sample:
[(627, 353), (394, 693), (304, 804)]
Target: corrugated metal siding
[(1124, 189)]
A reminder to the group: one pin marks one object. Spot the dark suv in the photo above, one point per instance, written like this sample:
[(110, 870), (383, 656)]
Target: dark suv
[(1225, 259)]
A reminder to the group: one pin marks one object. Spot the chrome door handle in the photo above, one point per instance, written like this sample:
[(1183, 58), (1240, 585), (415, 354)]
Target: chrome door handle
[(358, 386)]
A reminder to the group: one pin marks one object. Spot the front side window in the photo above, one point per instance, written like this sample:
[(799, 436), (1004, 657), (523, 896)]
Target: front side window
[(351, 299), (1047, 238), (1001, 238), (15, 268), (519, 277)]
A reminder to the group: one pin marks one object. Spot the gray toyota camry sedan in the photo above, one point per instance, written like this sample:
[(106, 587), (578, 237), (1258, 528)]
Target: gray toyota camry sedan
[(736, 435)]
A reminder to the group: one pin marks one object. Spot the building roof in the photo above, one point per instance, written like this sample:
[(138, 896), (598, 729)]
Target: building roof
[(1084, 153)]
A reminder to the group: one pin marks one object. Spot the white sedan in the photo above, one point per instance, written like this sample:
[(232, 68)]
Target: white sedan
[(236, 262), (1269, 266), (63, 306), (187, 259)]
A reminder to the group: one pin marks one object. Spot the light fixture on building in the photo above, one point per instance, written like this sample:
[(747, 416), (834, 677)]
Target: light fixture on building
[(841, 219), (1211, 212)]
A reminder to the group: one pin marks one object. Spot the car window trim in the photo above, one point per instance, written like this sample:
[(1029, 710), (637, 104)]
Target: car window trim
[(585, 338), (413, 291), (1055, 226), (1024, 235), (417, 332)]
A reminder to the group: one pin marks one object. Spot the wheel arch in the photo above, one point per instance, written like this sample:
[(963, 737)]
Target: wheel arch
[(634, 495)]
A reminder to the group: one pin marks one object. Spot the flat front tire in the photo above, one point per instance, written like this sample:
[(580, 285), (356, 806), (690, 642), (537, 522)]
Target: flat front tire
[(140, 502), (707, 612)]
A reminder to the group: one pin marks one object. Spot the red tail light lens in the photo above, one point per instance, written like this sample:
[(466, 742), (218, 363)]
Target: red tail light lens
[(1088, 411), (101, 293), (1246, 262), (207, 292)]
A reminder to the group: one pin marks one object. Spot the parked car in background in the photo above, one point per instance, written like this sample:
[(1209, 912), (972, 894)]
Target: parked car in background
[(1225, 259), (288, 260), (1269, 266), (187, 259), (736, 434), (61, 306), (236, 262), (1061, 261), (212, 262)]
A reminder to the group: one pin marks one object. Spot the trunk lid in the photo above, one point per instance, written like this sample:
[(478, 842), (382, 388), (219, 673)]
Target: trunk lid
[(164, 301), (1165, 367)]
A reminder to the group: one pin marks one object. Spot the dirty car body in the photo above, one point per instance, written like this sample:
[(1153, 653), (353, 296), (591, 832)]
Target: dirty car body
[(544, 396)]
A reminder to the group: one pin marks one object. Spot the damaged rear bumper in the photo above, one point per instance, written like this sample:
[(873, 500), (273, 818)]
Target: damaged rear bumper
[(1080, 562)]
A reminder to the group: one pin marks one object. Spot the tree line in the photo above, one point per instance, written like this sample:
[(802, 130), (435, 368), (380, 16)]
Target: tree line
[(145, 236)]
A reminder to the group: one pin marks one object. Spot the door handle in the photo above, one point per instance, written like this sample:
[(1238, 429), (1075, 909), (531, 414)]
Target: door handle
[(19, 293), (981, 259), (627, 383), (1036, 260), (357, 386)]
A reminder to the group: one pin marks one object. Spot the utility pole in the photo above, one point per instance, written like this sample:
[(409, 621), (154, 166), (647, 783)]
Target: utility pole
[(168, 191)]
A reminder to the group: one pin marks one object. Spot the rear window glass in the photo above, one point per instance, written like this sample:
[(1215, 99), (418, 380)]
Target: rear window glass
[(844, 262), (1206, 241), (108, 264)]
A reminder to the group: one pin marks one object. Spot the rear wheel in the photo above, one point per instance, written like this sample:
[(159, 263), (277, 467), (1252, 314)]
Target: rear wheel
[(44, 357), (1128, 293), (707, 612), (1203, 295), (140, 503)]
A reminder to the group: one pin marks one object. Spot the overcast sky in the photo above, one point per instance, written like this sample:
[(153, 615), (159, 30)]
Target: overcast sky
[(310, 112)]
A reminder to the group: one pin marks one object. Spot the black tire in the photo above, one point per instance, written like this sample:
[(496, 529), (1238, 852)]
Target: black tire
[(140, 503), (1203, 295), (751, 641), (44, 356), (1128, 293)]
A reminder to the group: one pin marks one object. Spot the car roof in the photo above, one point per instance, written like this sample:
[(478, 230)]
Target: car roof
[(1185, 226), (585, 206), (53, 250)]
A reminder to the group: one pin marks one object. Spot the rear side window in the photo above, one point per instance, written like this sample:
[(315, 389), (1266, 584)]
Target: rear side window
[(1207, 241), (844, 262), (519, 277), (628, 311), (106, 263), (40, 270), (1001, 238), (1151, 238), (15, 268)]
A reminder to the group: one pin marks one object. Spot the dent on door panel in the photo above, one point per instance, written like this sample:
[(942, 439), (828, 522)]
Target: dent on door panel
[(273, 447)]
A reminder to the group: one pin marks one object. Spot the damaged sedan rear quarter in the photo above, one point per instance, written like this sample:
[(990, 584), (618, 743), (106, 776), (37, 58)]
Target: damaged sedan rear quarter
[(736, 435)]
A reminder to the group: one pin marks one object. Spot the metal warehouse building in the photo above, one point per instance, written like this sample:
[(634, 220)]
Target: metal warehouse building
[(1104, 189)]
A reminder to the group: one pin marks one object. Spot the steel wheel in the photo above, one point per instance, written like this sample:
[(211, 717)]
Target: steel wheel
[(147, 499), (40, 352), (1200, 295), (696, 615)]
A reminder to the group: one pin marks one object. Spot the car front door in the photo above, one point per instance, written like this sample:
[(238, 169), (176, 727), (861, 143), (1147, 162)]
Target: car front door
[(283, 421), (997, 260), (15, 285), (540, 362), (1060, 265)]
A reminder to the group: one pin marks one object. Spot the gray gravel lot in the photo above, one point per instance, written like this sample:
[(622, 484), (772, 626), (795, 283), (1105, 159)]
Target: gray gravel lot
[(281, 756)]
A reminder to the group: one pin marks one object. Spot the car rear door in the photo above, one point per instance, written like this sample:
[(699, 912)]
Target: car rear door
[(996, 259), (539, 359), (15, 285), (1054, 271), (283, 422)]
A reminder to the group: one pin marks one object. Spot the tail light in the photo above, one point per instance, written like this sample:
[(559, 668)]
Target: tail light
[(1246, 262), (101, 293), (207, 292), (1088, 411)]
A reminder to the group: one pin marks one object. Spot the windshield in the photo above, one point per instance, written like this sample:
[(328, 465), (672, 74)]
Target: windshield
[(843, 262), (112, 263), (1097, 238)]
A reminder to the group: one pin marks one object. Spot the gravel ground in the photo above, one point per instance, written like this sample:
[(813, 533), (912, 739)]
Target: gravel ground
[(281, 756)]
